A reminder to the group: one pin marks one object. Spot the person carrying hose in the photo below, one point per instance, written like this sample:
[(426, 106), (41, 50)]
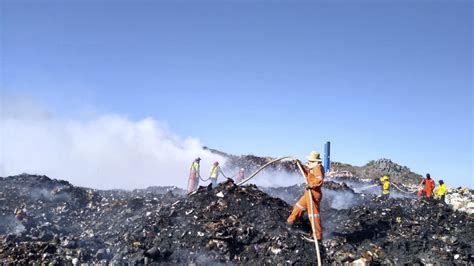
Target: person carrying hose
[(214, 174), (194, 175), (385, 182), (314, 172), (428, 187)]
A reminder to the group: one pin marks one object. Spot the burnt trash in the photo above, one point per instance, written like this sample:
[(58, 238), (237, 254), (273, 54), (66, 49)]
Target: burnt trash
[(65, 224), (153, 252)]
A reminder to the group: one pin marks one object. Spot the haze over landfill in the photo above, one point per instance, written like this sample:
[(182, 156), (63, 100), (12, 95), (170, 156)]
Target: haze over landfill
[(236, 132)]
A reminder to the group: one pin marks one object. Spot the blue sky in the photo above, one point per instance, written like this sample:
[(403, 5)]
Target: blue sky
[(390, 79)]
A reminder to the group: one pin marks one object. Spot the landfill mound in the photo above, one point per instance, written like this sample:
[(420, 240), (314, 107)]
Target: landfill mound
[(228, 224), (64, 224), (251, 162), (371, 171)]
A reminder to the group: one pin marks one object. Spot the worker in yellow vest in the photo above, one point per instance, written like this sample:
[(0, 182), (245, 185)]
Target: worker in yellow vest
[(385, 182), (441, 191), (194, 175), (214, 174)]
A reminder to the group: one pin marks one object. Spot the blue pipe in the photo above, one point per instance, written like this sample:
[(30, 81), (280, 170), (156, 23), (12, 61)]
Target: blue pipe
[(327, 156)]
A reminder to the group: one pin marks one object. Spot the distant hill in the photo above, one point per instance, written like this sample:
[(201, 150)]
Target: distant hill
[(375, 169), (371, 171)]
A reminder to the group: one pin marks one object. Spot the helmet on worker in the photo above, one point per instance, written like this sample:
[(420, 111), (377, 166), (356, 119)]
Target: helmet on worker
[(216, 163)]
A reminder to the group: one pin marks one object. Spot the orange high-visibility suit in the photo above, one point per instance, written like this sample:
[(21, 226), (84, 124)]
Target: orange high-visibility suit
[(315, 178), (428, 189)]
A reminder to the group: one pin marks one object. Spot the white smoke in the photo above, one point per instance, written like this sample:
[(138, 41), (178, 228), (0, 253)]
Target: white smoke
[(10, 225), (340, 200), (271, 178), (107, 151)]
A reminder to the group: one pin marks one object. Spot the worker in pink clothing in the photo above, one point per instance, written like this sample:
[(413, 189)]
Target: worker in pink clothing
[(240, 175), (194, 175)]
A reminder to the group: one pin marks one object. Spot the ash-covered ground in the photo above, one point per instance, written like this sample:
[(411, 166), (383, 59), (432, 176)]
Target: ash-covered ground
[(64, 224)]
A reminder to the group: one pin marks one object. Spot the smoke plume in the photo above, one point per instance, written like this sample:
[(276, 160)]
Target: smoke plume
[(107, 151)]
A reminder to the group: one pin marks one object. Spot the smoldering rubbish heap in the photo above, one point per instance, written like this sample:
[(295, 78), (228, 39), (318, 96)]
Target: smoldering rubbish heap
[(50, 221)]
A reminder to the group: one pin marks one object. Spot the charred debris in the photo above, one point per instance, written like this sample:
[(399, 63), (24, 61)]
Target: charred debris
[(64, 224)]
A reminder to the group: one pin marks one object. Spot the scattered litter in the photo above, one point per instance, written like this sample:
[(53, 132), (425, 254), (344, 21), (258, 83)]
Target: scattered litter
[(64, 224)]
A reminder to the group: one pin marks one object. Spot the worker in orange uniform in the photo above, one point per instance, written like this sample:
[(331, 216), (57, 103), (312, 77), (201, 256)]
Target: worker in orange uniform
[(428, 187), (314, 172), (194, 175)]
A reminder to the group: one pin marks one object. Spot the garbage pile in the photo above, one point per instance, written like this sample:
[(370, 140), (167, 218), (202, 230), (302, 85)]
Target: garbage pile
[(461, 199), (396, 231), (60, 223), (55, 222), (403, 231), (228, 224), (67, 224)]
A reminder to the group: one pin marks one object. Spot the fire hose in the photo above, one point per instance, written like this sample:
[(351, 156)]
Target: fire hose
[(261, 168), (367, 187), (226, 176), (204, 180), (310, 213), (403, 190), (371, 186)]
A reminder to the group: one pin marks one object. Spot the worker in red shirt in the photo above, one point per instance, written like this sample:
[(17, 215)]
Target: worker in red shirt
[(428, 187)]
